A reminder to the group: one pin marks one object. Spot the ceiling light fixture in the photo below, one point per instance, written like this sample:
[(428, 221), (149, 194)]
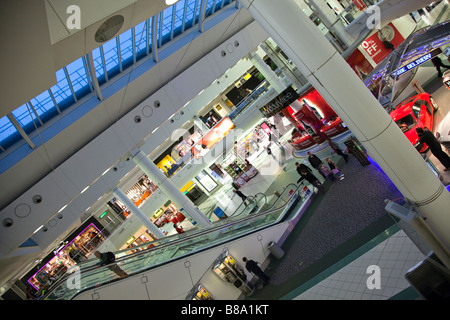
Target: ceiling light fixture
[(170, 2)]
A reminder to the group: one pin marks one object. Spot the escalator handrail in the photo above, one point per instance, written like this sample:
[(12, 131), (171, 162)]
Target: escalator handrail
[(200, 232)]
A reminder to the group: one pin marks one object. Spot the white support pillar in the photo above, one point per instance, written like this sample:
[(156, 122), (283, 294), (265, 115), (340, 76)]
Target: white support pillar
[(200, 124), (333, 78), (169, 188), (138, 213), (267, 72)]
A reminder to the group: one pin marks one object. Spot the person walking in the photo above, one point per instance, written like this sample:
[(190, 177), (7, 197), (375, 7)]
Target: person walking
[(109, 259), (240, 194), (315, 163), (312, 179), (300, 167), (252, 267), (437, 62), (334, 146), (427, 137)]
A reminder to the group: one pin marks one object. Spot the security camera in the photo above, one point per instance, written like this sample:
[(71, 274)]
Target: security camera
[(137, 119), (223, 53), (44, 229), (8, 222), (37, 199), (157, 104), (59, 216)]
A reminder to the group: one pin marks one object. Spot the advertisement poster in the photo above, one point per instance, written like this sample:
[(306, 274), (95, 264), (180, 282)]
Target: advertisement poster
[(359, 64), (359, 4), (379, 45)]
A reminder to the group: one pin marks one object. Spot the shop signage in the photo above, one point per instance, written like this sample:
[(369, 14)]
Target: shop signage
[(283, 100), (359, 4), (375, 47), (417, 62)]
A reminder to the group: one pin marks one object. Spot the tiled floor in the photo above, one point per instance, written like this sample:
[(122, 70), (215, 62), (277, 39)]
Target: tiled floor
[(378, 274)]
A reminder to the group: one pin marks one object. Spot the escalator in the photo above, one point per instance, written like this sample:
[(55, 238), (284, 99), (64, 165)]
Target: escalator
[(245, 221)]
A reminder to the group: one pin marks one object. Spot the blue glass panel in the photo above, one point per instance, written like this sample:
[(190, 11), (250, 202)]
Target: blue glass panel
[(166, 26), (78, 77), (126, 48), (218, 5), (178, 23), (190, 17), (61, 91), (140, 32), (98, 65), (111, 54), (8, 133), (44, 106), (26, 118), (209, 8)]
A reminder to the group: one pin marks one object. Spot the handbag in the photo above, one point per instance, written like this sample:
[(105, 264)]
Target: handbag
[(336, 171)]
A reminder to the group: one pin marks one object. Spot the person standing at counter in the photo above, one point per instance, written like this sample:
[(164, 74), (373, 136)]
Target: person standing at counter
[(315, 163), (252, 267)]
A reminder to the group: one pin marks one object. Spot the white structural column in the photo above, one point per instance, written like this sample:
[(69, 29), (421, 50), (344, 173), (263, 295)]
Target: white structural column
[(267, 72), (333, 78), (200, 124), (138, 213), (169, 188), (332, 21)]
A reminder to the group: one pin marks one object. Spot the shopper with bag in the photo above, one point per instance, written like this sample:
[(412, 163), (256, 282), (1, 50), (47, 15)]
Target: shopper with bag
[(334, 169), (327, 172)]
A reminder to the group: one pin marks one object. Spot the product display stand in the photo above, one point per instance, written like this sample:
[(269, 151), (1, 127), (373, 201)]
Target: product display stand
[(226, 267)]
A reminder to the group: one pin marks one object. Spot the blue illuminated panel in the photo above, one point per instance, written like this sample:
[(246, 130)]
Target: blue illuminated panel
[(413, 64)]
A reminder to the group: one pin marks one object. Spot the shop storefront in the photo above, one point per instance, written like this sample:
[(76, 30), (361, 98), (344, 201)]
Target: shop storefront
[(75, 249), (240, 171), (316, 121)]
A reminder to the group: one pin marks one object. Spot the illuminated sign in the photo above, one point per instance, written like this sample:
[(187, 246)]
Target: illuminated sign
[(103, 214), (413, 64), (283, 100)]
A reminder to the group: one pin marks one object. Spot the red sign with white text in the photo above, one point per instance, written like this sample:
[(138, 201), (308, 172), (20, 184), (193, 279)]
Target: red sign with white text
[(359, 4), (377, 44)]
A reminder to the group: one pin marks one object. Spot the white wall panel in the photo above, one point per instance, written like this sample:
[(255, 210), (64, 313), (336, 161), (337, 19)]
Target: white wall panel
[(56, 226), (196, 78), (27, 215)]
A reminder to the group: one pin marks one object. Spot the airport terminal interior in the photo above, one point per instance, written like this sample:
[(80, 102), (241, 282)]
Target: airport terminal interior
[(187, 136)]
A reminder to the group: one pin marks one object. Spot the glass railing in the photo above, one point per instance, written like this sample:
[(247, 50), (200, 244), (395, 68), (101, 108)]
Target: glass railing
[(245, 220)]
